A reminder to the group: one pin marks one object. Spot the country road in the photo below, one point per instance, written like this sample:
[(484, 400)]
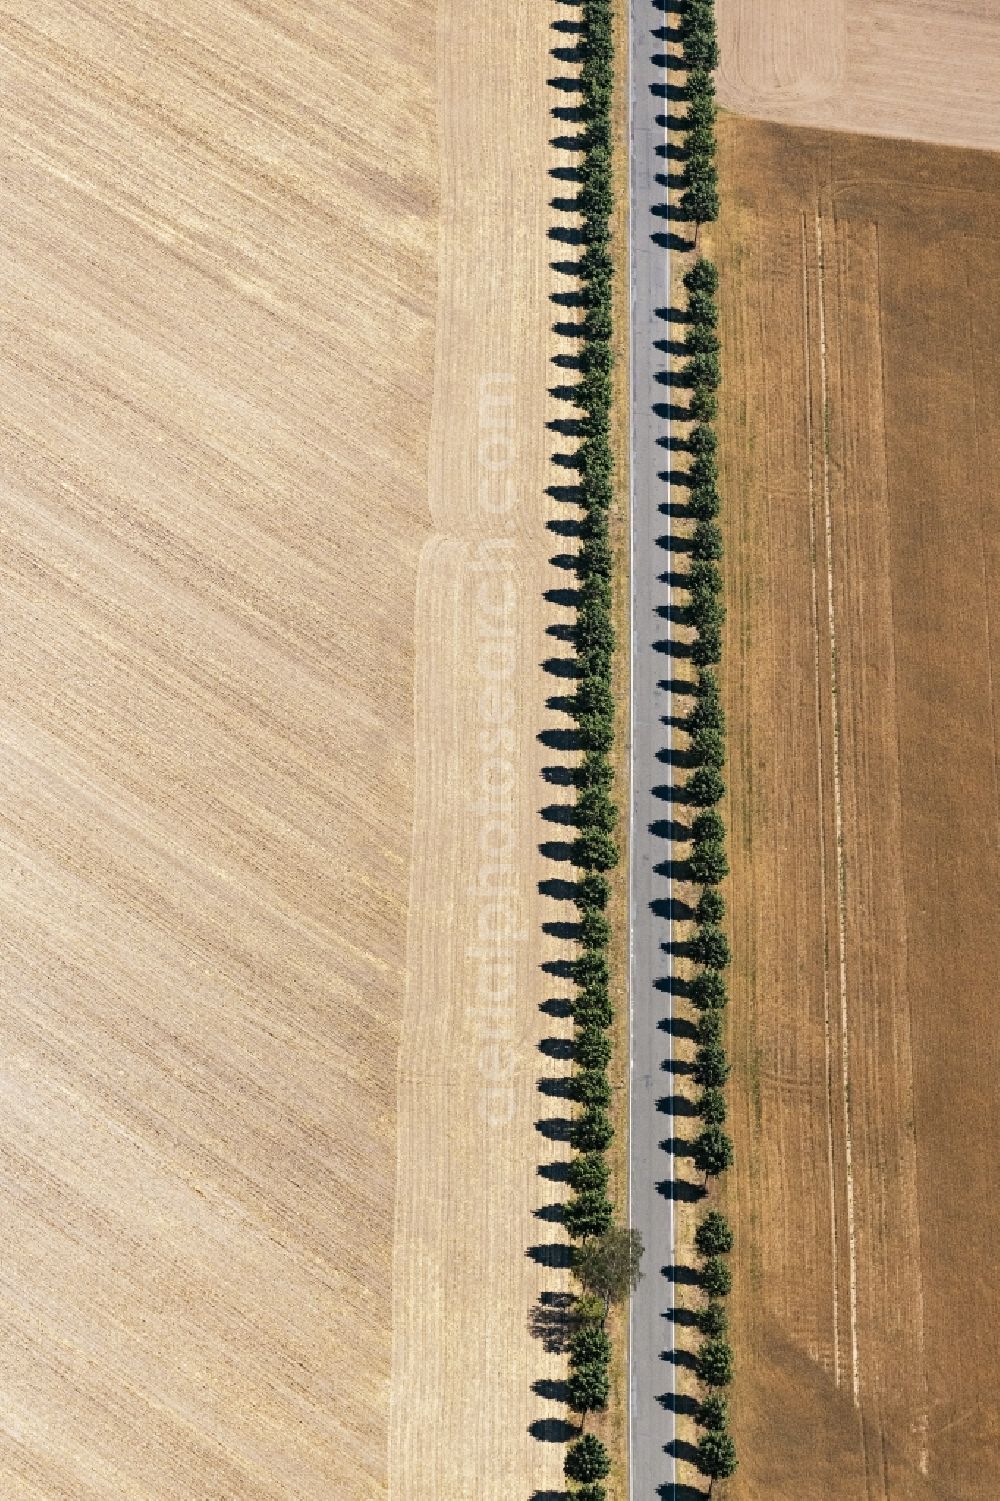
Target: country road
[(651, 1168)]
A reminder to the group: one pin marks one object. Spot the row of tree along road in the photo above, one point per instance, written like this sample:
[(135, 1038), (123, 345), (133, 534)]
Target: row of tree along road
[(607, 1253), (606, 1257), (705, 724)]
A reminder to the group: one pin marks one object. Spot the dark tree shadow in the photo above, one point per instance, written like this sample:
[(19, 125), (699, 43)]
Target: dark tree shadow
[(561, 968), (679, 1146), (560, 813), (556, 849), (677, 1026), (560, 1048), (559, 1089), (557, 1255), (570, 932), (675, 1402), (558, 776), (551, 1321), (681, 1449), (680, 1190), (675, 1104), (682, 1358)]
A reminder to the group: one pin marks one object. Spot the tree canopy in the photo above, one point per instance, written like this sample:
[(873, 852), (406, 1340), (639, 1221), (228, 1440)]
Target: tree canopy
[(610, 1264)]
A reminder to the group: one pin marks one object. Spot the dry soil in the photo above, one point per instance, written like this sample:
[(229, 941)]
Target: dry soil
[(923, 69), (859, 429), (217, 236)]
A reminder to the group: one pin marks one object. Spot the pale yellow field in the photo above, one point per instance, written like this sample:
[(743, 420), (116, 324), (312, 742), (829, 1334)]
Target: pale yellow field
[(925, 69), (217, 235), (275, 383), (464, 1363)]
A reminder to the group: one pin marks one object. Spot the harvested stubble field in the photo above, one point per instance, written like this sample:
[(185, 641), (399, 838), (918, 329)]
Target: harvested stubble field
[(926, 70), (215, 376), (860, 437), (272, 775)]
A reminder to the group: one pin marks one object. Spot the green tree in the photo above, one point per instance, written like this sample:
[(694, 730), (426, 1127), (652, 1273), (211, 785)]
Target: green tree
[(699, 202), (704, 501), (595, 930), (595, 850), (593, 771), (699, 86), (703, 276), (704, 405), (708, 826), (716, 1456), (708, 989), (589, 1172), (714, 1363), (597, 326), (707, 705), (714, 1235), (711, 906), (596, 555), (703, 469), (708, 1028), (587, 1459), (716, 1278), (594, 697), (705, 786), (610, 1265), (589, 1346), (713, 1412), (596, 199), (712, 1152), (708, 863), (701, 339), (587, 1389), (711, 1103), (703, 308), (592, 1048), (704, 372), (701, 50), (708, 748), (711, 1066), (703, 438), (712, 1320), (701, 110), (705, 610), (593, 892), (590, 968), (589, 1086), (592, 1131), (587, 1213), (710, 946), (597, 731), (707, 645), (591, 1493), (704, 578), (592, 1008), (595, 810)]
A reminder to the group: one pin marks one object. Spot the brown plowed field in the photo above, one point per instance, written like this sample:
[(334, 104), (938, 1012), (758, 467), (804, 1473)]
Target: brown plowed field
[(924, 69), (861, 449)]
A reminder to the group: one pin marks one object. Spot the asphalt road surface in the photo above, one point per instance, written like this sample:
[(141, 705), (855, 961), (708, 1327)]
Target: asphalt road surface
[(651, 1170)]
